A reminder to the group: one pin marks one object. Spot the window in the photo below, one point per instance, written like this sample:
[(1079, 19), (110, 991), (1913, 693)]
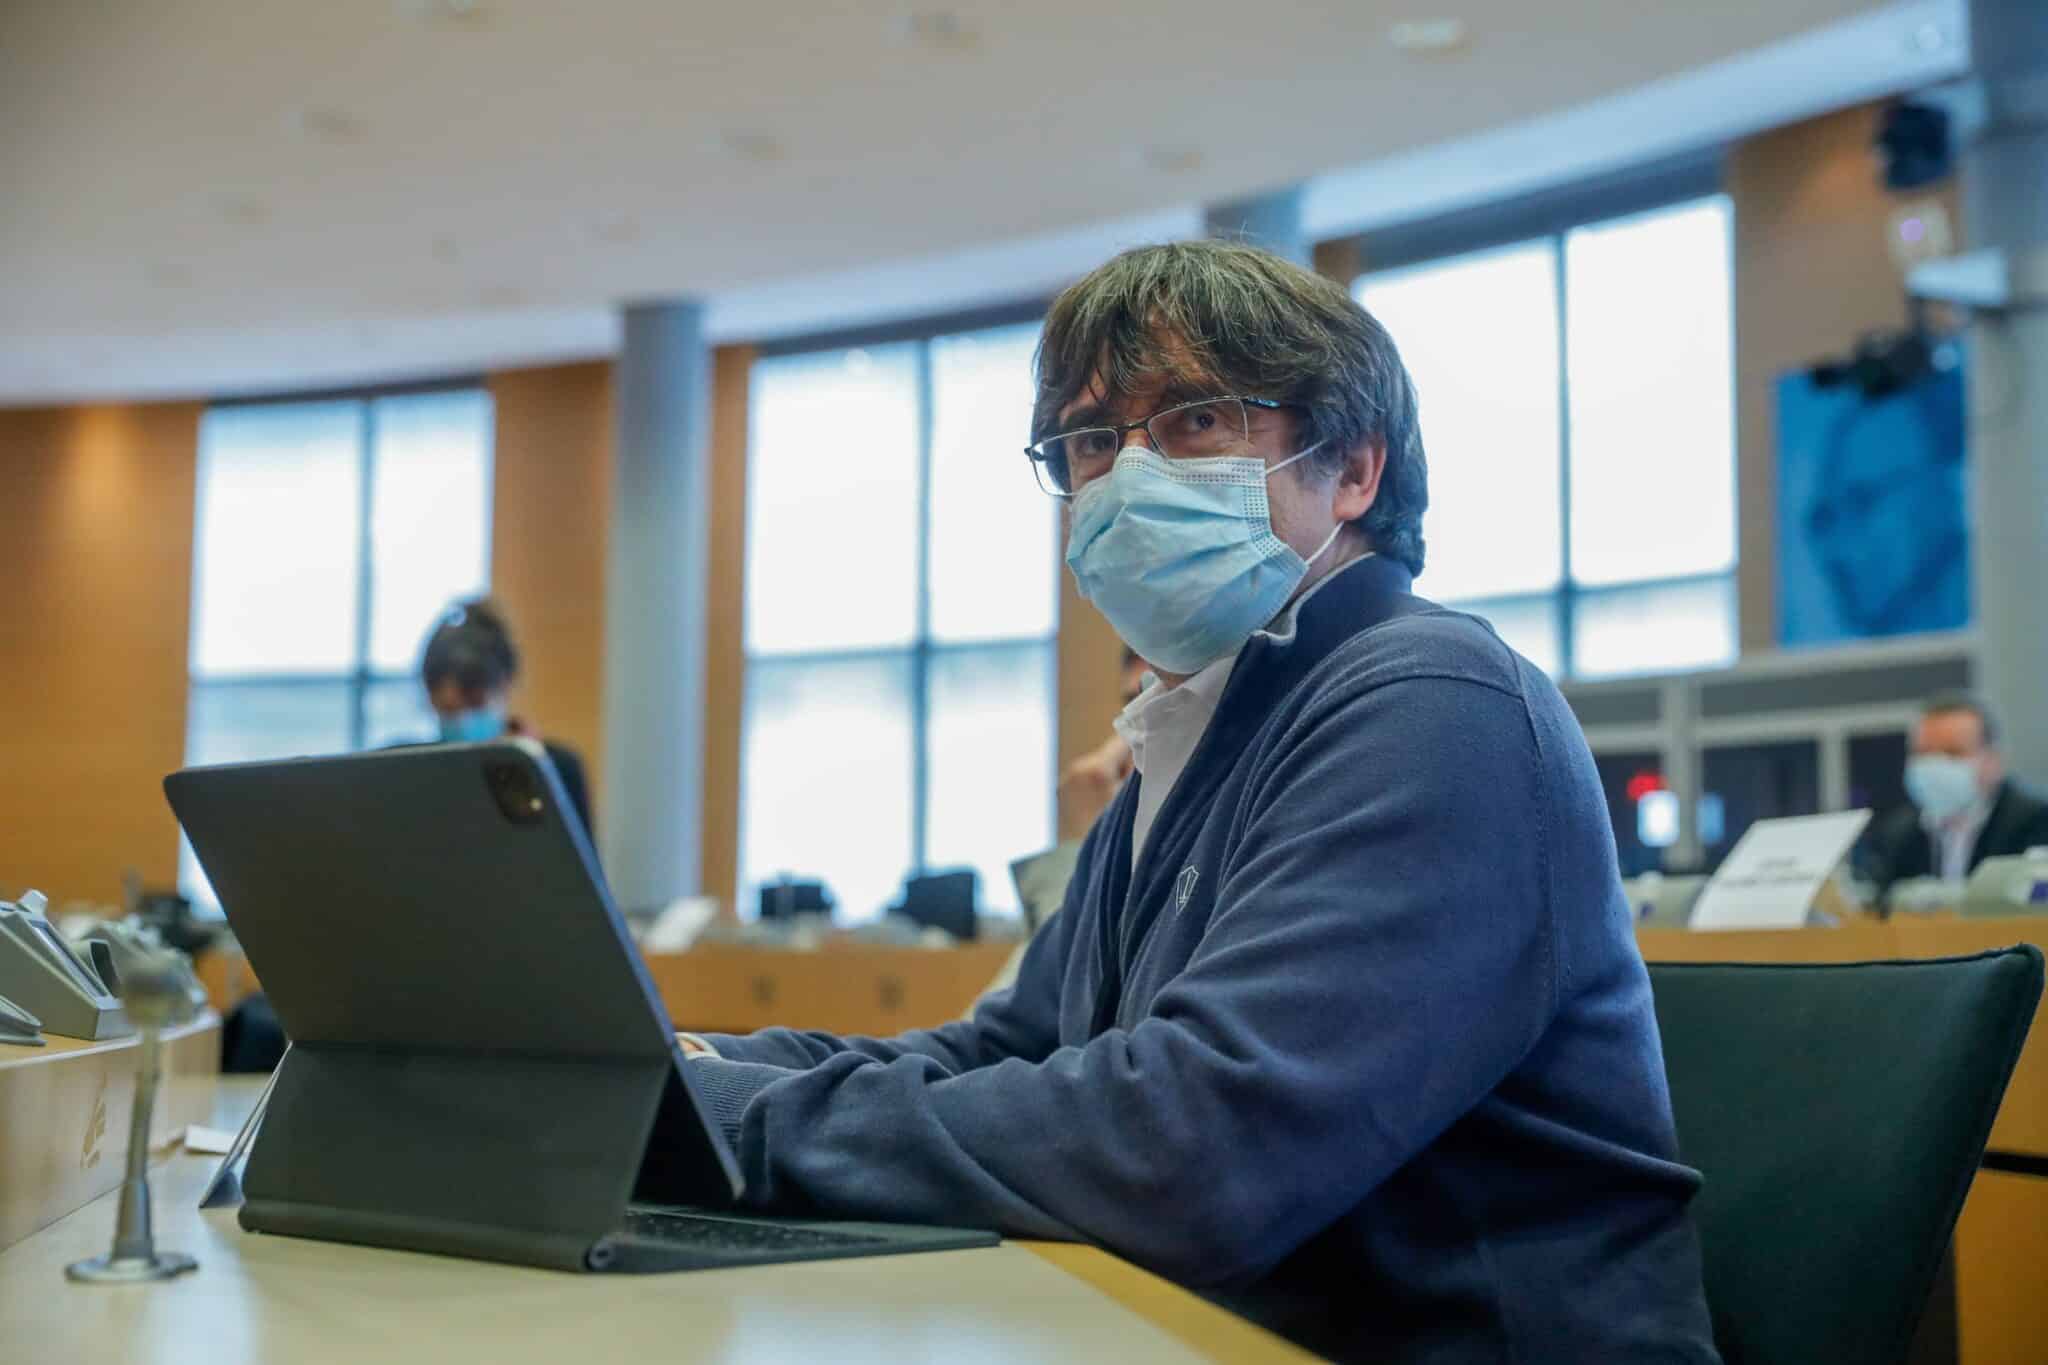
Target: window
[(1577, 397), (1744, 783), (902, 589), (329, 536)]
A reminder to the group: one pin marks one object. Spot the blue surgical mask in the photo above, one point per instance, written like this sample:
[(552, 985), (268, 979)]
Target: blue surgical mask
[(1180, 555), (472, 727), (1941, 785)]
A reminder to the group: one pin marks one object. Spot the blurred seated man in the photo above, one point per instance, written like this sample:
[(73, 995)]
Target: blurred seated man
[(1086, 788), (1343, 1021), (1963, 808), (1091, 781)]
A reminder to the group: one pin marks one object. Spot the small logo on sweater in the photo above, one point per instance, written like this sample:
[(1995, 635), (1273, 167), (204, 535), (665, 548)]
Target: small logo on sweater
[(1184, 887)]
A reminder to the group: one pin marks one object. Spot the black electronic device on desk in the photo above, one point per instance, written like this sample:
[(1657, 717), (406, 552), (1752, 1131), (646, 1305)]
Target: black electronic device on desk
[(480, 1065), (943, 900), (786, 898)]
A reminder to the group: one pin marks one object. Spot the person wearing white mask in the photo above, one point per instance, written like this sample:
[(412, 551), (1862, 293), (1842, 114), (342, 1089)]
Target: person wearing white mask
[(1962, 809), (468, 668), (1343, 1020)]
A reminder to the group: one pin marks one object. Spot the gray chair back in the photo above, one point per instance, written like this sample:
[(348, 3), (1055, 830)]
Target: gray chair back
[(1838, 1114)]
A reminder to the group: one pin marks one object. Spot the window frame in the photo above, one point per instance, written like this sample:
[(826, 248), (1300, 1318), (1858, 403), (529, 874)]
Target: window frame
[(359, 679), (923, 649), (1549, 217)]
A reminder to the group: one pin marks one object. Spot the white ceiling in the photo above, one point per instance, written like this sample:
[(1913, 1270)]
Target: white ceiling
[(212, 196)]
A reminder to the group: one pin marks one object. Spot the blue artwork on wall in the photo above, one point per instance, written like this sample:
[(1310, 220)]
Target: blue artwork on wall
[(1873, 535)]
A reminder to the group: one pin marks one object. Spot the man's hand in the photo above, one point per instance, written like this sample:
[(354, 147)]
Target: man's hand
[(693, 1046)]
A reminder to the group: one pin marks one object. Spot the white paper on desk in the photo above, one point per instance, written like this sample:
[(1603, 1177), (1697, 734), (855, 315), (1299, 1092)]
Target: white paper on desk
[(208, 1141), (679, 924), (1769, 879)]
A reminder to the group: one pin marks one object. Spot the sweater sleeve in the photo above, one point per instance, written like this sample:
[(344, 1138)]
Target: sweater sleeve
[(1378, 957), (1021, 1021)]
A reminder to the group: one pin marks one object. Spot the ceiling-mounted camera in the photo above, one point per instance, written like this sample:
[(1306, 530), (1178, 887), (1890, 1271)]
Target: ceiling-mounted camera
[(1913, 142), (1886, 362)]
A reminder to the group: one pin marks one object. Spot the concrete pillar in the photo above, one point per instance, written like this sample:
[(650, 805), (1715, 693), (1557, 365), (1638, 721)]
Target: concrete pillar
[(1272, 221), (2005, 209), (654, 608)]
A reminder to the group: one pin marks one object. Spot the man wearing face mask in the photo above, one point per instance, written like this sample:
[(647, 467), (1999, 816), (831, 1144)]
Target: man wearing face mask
[(1343, 1020), (1964, 808)]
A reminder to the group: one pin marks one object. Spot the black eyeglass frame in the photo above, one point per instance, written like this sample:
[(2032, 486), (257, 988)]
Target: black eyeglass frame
[(1042, 458)]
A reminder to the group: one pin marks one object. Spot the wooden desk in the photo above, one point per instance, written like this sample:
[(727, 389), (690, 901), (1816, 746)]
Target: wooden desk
[(2001, 1243), (847, 988), (64, 1117), (259, 1300)]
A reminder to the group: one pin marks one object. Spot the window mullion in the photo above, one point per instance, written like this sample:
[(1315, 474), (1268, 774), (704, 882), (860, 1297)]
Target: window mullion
[(921, 643), (366, 430), (1567, 587)]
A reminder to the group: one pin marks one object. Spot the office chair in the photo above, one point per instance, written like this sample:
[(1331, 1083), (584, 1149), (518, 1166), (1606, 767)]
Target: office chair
[(1838, 1114)]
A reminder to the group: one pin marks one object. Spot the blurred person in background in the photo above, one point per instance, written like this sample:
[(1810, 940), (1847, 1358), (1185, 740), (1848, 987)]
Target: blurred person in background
[(1086, 789), (469, 666), (1962, 807), (1091, 781)]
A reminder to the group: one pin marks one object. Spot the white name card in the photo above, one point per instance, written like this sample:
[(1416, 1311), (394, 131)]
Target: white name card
[(1770, 878)]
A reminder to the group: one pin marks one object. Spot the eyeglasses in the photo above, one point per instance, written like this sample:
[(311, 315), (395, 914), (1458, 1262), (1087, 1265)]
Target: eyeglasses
[(1205, 428)]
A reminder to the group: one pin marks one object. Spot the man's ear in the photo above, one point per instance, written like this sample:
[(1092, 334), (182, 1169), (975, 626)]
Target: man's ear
[(1358, 485)]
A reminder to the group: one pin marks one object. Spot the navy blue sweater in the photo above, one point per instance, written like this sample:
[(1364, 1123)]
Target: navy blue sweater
[(1362, 1047)]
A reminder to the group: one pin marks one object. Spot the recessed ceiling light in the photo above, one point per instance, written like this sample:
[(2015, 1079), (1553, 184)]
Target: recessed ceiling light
[(941, 30), (324, 124), (751, 144), (1929, 37), (1171, 158), (1428, 37)]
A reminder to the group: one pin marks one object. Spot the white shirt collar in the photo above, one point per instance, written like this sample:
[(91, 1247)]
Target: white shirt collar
[(1184, 710), (1956, 838)]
